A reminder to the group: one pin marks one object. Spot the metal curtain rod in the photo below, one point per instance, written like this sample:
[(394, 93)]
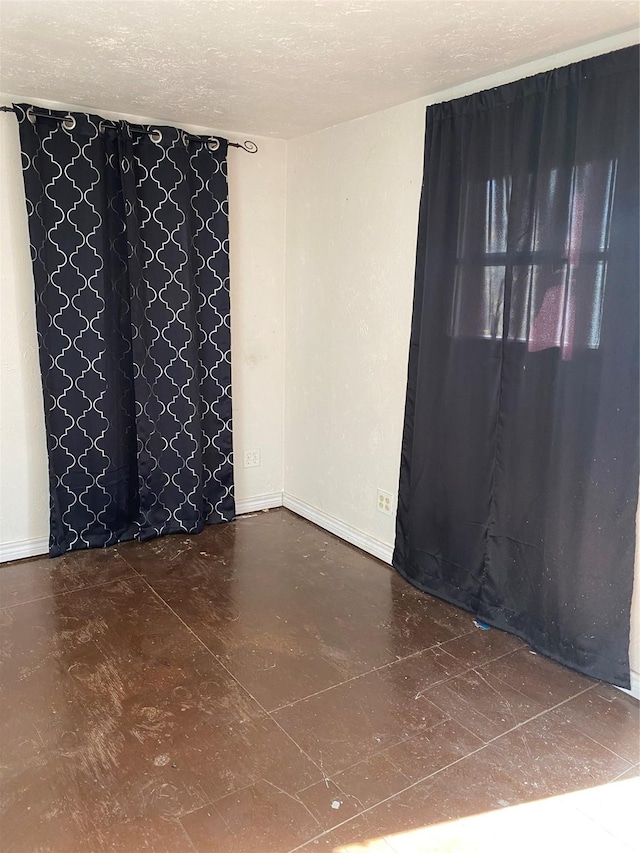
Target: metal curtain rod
[(156, 134)]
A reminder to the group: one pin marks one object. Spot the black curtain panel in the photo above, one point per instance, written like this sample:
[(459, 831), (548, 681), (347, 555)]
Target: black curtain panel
[(130, 249), (519, 472)]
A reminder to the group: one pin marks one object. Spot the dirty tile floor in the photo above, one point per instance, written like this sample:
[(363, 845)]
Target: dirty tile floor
[(265, 687)]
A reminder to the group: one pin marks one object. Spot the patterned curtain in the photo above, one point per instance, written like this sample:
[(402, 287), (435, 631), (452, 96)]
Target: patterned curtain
[(130, 249)]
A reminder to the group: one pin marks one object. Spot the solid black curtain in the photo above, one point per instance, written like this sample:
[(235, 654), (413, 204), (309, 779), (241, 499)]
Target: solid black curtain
[(519, 471), (129, 242)]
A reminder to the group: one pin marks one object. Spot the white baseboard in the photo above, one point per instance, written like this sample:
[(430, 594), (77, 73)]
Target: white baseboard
[(255, 504), (38, 547), (350, 534), (635, 685)]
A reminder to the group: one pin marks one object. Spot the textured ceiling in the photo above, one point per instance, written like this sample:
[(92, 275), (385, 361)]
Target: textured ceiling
[(282, 67)]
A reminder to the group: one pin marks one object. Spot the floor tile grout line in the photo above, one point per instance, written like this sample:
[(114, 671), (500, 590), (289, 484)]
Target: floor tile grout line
[(219, 813), (399, 743), (192, 846), (484, 676), (397, 793), (442, 769), (343, 683), (529, 698), (608, 748), (238, 682), (585, 734), (269, 713), (304, 752), (296, 799), (392, 663), (346, 680), (73, 591), (202, 643), (632, 767), (248, 692), (212, 804), (359, 675), (214, 656), (354, 677), (449, 719)]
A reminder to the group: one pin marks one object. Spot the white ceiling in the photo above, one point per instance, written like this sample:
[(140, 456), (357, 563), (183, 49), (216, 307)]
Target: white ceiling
[(281, 67)]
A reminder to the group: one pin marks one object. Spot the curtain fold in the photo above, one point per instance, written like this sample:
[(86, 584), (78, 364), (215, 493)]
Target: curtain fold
[(129, 243), (519, 470)]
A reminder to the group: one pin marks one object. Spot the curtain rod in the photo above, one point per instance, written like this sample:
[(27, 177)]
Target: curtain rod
[(248, 146)]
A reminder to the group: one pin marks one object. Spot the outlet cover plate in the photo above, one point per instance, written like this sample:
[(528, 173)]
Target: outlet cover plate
[(251, 458), (384, 502)]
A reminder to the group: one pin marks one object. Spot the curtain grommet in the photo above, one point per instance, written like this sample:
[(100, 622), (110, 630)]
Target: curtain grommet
[(155, 135), (213, 144), (69, 122), (31, 115)]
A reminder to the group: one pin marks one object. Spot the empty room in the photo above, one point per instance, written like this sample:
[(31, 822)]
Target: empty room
[(319, 426)]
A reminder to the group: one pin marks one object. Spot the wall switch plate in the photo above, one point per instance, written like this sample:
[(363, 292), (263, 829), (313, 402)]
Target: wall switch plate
[(251, 458), (385, 502)]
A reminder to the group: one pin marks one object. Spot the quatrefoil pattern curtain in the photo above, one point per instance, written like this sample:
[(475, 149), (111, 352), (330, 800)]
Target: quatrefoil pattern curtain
[(130, 248)]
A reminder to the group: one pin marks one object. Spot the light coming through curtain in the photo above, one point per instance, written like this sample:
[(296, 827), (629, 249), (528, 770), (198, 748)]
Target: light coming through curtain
[(519, 473)]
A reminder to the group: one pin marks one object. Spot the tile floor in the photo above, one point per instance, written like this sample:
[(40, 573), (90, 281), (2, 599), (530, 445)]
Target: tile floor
[(265, 687)]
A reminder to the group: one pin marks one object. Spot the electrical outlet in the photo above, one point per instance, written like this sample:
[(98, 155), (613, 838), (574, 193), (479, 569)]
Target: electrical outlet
[(385, 502), (251, 458)]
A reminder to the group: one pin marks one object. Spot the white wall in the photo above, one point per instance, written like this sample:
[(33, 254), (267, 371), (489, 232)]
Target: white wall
[(353, 195), (257, 223), (352, 205), (24, 487)]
